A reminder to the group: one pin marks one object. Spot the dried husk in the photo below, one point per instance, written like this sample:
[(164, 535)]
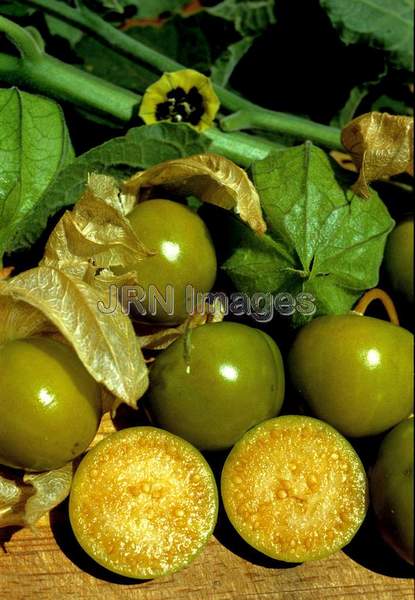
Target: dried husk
[(344, 160), (152, 337), (20, 320), (25, 498), (105, 343), (210, 177), (95, 233), (381, 146)]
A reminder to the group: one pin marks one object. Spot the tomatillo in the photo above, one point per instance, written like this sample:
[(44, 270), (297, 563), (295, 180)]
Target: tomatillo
[(50, 406), (212, 387), (184, 256)]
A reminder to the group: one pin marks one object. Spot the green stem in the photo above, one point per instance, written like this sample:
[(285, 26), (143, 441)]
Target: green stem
[(27, 45), (283, 123), (65, 82), (119, 41), (242, 148)]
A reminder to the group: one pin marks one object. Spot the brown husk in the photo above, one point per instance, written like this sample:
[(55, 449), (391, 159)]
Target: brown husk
[(381, 146), (25, 498), (210, 177), (159, 338), (105, 343)]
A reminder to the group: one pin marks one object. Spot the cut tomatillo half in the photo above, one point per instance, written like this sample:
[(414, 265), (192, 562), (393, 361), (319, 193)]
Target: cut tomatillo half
[(295, 489), (143, 503)]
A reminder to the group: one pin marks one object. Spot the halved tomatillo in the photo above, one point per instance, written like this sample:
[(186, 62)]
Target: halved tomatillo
[(295, 489), (143, 503)]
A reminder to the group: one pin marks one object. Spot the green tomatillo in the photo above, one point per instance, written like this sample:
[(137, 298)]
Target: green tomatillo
[(354, 371), (213, 385), (184, 257), (392, 489), (50, 406)]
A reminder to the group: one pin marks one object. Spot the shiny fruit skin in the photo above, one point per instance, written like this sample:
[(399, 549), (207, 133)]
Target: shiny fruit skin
[(294, 489), (50, 406), (392, 489), (234, 379), (355, 372), (143, 503), (399, 259), (184, 253)]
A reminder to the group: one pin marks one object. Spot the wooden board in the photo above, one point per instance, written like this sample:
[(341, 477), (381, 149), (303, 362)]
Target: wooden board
[(49, 565)]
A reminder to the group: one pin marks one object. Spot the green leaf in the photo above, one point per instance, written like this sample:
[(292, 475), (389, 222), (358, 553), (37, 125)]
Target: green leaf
[(147, 9), (250, 17), (150, 9), (15, 9), (103, 62), (176, 39), (322, 239), (62, 29), (386, 24), (34, 146), (224, 66), (120, 157), (180, 39)]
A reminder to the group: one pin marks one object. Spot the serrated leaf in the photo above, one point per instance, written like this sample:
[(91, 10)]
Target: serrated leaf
[(224, 66), (250, 17), (34, 146), (386, 24), (328, 242), (141, 148)]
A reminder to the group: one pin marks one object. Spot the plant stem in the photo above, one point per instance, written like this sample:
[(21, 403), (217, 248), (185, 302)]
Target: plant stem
[(242, 148), (27, 45), (377, 294), (121, 42), (65, 82), (283, 123)]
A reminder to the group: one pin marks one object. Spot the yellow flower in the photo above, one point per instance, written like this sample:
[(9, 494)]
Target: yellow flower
[(181, 97)]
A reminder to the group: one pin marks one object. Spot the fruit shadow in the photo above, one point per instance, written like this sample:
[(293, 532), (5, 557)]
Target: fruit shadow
[(369, 550), (65, 538), (226, 534)]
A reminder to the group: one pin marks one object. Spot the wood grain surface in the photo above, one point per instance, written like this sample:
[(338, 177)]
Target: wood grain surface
[(49, 564)]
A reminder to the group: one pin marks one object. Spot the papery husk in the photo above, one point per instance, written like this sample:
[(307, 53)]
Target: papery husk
[(24, 499), (20, 320), (344, 160), (152, 337), (104, 341), (381, 146), (95, 233), (210, 177)]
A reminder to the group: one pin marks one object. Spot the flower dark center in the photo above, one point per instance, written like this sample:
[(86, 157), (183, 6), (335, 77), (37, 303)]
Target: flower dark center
[(181, 107)]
